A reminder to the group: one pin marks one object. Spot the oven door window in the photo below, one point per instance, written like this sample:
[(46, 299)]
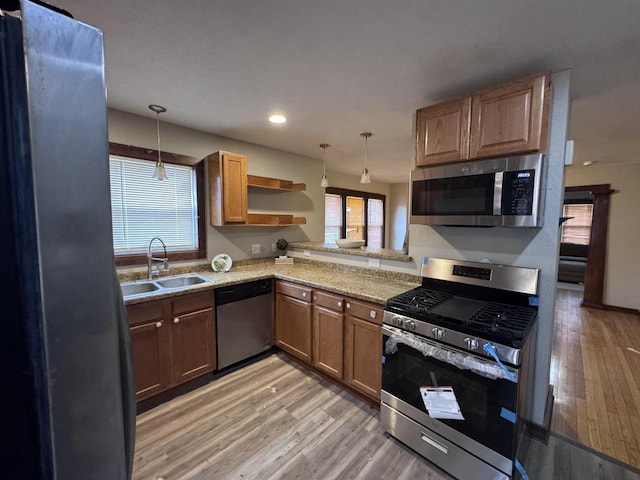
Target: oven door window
[(481, 399), (468, 195)]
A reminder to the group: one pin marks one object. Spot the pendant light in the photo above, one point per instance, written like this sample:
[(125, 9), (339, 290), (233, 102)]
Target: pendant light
[(159, 172), (365, 178), (324, 182)]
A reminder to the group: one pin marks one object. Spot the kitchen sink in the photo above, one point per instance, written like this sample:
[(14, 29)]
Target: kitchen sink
[(137, 288), (154, 287), (185, 281)]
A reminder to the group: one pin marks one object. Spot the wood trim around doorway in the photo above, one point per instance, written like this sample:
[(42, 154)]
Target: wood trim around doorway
[(597, 253)]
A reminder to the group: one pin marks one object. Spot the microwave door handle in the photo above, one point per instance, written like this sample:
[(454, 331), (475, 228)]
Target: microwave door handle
[(497, 193)]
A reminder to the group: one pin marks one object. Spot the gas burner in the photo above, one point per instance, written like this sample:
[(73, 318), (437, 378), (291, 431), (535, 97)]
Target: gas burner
[(418, 301), (508, 320)]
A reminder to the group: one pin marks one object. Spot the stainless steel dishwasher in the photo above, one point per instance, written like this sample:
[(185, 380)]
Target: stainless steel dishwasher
[(244, 316)]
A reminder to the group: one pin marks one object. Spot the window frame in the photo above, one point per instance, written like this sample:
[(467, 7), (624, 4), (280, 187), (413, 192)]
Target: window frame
[(344, 193), (140, 153)]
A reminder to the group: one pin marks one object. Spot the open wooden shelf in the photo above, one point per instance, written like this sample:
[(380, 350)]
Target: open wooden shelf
[(274, 183), (270, 219)]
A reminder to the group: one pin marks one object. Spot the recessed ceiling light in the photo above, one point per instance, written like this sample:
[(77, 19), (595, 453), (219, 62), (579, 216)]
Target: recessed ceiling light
[(277, 119), (587, 163)]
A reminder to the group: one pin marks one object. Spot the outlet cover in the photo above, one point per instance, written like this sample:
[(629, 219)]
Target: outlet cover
[(255, 248), (374, 262), (273, 248), (307, 253)]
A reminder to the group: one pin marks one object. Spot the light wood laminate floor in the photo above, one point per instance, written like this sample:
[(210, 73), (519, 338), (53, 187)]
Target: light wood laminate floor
[(270, 420), (595, 370)]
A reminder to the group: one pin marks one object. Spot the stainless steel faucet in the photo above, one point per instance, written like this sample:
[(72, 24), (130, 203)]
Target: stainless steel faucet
[(151, 259)]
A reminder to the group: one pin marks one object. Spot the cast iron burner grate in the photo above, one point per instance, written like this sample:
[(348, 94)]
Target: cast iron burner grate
[(497, 318), (418, 301)]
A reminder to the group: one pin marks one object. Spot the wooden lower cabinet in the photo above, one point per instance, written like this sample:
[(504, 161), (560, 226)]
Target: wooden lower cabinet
[(328, 341), (363, 348), (193, 351), (151, 347), (172, 341), (293, 321), (339, 336)]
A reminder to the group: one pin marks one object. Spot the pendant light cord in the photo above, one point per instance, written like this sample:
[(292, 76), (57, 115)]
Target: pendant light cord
[(158, 131)]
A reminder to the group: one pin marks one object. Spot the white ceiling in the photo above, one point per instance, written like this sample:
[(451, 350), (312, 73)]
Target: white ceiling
[(337, 68)]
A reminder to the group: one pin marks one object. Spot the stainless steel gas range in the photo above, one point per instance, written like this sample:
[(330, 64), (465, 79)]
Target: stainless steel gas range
[(457, 366)]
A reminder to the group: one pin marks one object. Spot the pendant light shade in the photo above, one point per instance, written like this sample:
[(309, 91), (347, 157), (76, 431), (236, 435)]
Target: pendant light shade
[(365, 178), (324, 182), (159, 172)]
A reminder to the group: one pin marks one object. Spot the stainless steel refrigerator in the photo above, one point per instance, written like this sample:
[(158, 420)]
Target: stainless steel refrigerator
[(68, 400)]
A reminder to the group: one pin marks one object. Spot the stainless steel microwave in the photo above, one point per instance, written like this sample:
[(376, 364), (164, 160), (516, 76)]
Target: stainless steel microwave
[(497, 192)]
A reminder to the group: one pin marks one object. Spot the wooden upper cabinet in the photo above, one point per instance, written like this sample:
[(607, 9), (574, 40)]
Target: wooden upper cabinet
[(511, 119), (442, 132), (227, 188), (506, 120)]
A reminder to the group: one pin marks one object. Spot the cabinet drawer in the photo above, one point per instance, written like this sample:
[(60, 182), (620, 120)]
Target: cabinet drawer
[(365, 311), (192, 302), (145, 312), (327, 300), (295, 291)]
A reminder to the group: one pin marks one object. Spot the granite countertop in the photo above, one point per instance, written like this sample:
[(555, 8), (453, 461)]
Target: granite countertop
[(382, 253), (352, 281)]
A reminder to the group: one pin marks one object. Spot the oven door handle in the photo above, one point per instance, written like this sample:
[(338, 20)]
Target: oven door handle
[(457, 358), (437, 445)]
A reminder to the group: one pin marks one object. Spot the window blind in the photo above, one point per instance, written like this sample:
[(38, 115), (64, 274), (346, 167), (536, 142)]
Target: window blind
[(577, 229), (143, 207), (375, 223), (332, 217)]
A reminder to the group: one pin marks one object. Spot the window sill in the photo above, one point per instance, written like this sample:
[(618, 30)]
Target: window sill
[(382, 253), (141, 258)]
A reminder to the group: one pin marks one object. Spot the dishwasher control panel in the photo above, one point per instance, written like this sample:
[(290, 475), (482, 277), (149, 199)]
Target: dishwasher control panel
[(234, 293)]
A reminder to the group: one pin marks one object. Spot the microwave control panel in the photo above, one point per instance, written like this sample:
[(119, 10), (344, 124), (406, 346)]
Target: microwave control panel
[(517, 192)]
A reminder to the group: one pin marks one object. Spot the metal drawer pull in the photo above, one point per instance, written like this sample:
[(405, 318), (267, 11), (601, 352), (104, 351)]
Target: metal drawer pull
[(304, 294), (437, 445), (372, 314), (158, 325), (176, 320), (348, 305), (340, 304)]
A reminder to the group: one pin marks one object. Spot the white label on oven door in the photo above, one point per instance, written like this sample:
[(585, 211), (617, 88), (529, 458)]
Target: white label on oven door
[(441, 402)]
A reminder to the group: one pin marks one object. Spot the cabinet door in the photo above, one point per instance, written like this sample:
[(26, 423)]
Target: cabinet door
[(234, 180), (442, 132), (328, 341), (151, 349), (511, 119), (194, 346), (227, 173), (363, 348), (293, 326)]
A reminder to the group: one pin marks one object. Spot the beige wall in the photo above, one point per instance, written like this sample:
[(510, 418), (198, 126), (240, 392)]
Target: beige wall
[(132, 129), (621, 281)]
